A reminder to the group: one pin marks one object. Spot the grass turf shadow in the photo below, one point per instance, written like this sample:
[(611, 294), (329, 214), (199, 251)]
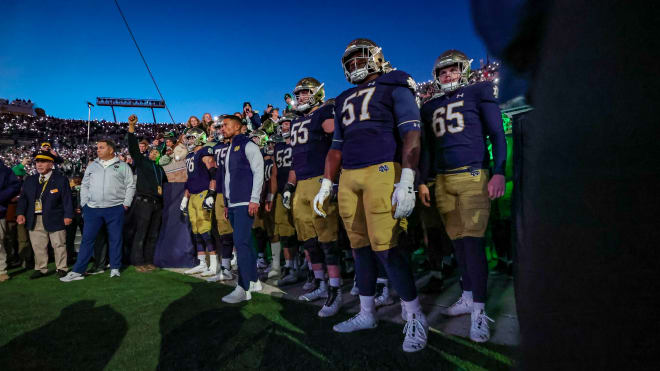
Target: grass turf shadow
[(83, 337), (199, 332)]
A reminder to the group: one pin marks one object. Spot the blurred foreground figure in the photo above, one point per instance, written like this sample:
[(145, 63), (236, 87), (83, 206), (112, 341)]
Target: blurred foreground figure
[(587, 175)]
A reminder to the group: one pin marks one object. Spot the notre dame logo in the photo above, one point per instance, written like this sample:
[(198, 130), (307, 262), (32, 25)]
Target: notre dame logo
[(237, 148)]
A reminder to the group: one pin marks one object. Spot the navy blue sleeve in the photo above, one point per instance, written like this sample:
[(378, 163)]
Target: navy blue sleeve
[(338, 135), (406, 112), (491, 118)]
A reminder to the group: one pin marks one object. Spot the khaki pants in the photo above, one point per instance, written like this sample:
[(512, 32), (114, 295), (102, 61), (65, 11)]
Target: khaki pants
[(39, 238), (3, 253)]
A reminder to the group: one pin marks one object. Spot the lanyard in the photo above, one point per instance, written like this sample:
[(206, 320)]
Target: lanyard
[(43, 188), (157, 174)]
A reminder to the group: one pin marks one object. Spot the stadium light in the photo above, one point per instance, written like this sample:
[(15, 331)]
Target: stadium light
[(89, 117)]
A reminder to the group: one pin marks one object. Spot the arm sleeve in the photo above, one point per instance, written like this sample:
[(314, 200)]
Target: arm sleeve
[(338, 135), (11, 188), (133, 148), (406, 112), (257, 166), (491, 117), (130, 186), (84, 188), (67, 201)]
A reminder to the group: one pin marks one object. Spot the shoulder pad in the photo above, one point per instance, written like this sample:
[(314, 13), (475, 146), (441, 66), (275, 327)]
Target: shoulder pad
[(329, 102), (399, 78)]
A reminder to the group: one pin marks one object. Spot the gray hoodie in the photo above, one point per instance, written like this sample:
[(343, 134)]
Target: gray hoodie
[(107, 186)]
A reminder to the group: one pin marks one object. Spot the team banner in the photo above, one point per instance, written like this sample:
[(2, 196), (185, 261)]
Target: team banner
[(174, 248)]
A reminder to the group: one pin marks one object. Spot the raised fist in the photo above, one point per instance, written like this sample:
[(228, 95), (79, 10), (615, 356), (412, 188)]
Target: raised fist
[(132, 119)]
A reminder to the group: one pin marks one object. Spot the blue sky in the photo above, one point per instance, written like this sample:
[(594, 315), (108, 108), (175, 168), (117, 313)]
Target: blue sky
[(210, 56)]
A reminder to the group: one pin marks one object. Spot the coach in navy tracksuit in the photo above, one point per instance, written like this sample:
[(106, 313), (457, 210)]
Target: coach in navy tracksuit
[(244, 178)]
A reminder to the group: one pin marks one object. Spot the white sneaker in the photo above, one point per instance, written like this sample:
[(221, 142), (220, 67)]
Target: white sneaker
[(461, 306), (114, 273), (479, 330), (404, 312), (320, 292), (237, 296), (274, 272), (355, 291), (72, 276), (201, 268), (255, 286), (310, 283), (416, 330), (360, 321), (332, 304), (223, 275), (384, 298), (261, 263), (209, 272), (213, 268)]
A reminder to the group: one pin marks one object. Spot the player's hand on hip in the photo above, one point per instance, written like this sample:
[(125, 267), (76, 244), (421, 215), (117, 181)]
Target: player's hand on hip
[(404, 196), (424, 195), (324, 192), (253, 208), (496, 186)]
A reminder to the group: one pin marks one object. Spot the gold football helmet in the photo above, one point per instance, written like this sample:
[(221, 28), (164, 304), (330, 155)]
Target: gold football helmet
[(361, 58), (317, 94), (449, 58)]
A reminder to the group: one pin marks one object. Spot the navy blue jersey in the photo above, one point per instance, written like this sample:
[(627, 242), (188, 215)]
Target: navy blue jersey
[(268, 168), (220, 153), (198, 174), (309, 143), (371, 118), (283, 162), (456, 125)]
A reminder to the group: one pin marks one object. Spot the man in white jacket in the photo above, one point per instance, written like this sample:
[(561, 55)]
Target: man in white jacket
[(105, 194)]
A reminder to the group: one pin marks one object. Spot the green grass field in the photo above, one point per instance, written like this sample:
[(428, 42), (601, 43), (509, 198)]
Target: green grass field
[(164, 320)]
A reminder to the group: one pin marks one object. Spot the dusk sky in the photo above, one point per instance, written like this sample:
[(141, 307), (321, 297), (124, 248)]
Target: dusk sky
[(210, 56)]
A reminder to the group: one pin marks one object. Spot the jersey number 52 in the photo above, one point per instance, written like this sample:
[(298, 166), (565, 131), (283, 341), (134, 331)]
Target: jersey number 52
[(444, 114)]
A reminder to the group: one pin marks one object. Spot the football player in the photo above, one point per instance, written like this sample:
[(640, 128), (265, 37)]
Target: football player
[(223, 227), (263, 223), (456, 121), (283, 216), (200, 190), (377, 131), (311, 136)]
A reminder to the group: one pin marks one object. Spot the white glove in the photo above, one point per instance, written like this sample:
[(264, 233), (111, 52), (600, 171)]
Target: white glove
[(324, 192), (404, 196), (184, 204), (208, 202), (286, 199)]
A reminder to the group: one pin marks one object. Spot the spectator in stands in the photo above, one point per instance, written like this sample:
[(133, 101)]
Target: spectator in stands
[(148, 205), (45, 208), (251, 117), (267, 112), (106, 193), (9, 188), (207, 120), (193, 122), (290, 103)]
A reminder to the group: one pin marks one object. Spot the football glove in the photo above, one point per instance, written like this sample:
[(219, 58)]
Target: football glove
[(404, 195), (287, 194), (324, 192), (184, 206), (209, 200)]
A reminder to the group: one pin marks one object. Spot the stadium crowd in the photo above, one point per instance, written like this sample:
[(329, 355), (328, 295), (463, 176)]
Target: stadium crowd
[(314, 249)]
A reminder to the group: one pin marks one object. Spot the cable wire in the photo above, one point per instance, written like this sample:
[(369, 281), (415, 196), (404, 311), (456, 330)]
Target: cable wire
[(144, 60)]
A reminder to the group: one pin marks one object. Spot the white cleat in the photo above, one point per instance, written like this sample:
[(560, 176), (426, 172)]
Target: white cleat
[(416, 330), (360, 321), (114, 273), (237, 296), (234, 263), (479, 330), (461, 306), (255, 286), (321, 292), (209, 272), (223, 275), (201, 268), (72, 276), (261, 263), (332, 304), (274, 272)]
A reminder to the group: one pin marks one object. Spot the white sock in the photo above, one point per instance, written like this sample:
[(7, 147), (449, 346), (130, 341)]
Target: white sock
[(413, 306), (381, 280), (276, 250), (288, 263), (335, 282), (226, 263), (202, 259), (478, 307), (467, 295), (367, 304), (213, 261), (319, 274)]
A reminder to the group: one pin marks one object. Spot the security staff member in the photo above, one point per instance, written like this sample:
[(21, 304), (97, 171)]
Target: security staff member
[(148, 201), (45, 207)]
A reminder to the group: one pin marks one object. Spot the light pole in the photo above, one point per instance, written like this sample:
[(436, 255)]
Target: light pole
[(89, 117)]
